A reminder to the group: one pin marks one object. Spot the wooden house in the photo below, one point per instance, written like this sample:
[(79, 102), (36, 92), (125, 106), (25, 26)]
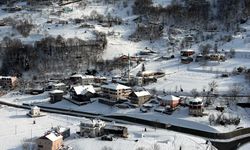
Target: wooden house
[(82, 93)]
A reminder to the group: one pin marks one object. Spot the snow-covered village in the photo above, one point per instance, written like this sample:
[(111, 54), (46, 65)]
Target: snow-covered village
[(124, 74)]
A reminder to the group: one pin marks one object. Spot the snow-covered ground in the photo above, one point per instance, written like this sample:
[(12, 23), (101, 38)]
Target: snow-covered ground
[(185, 76), (180, 117), (19, 128)]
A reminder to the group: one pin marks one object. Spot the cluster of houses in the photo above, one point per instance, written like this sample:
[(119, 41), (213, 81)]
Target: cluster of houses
[(171, 103), (53, 139), (82, 89), (188, 56)]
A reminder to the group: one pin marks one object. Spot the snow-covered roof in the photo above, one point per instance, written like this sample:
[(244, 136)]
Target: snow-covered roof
[(188, 50), (56, 92), (115, 86), (142, 93), (84, 89), (9, 77), (60, 129), (82, 76), (59, 84), (76, 76), (35, 107), (170, 98), (148, 72), (195, 100), (53, 137), (93, 123)]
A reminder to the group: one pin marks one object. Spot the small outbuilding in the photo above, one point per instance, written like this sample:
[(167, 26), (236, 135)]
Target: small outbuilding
[(115, 130), (64, 131), (35, 112), (56, 96), (196, 107)]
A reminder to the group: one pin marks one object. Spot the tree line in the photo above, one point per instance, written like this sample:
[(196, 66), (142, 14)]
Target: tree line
[(196, 13), (50, 54)]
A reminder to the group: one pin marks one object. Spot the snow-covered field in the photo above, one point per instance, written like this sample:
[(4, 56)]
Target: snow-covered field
[(19, 128), (179, 118)]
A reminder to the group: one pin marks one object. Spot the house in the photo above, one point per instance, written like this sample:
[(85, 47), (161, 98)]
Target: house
[(82, 93), (116, 91), (151, 74), (59, 86), (170, 100), (139, 97), (126, 58), (100, 79), (65, 132), (35, 112), (196, 107), (115, 130), (216, 57), (92, 129), (82, 79), (187, 53), (56, 96), (8, 82), (50, 141), (2, 23)]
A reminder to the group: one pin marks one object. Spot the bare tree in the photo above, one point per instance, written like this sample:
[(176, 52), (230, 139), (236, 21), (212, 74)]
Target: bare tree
[(155, 147), (213, 86), (194, 93), (211, 119), (234, 91)]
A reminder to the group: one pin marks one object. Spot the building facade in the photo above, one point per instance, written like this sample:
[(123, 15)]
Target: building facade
[(139, 97), (116, 91), (8, 82), (50, 141)]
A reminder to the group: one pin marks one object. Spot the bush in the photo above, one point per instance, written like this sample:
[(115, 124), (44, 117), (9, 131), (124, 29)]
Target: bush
[(222, 119)]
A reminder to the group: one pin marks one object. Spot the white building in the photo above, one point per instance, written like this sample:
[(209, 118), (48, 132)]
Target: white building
[(82, 79), (196, 107), (116, 91), (94, 128)]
